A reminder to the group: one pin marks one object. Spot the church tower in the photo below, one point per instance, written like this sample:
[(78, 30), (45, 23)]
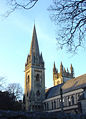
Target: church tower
[(34, 77), (63, 75)]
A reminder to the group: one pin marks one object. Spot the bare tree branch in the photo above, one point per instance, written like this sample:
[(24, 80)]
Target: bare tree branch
[(15, 89), (19, 4), (2, 83), (70, 17)]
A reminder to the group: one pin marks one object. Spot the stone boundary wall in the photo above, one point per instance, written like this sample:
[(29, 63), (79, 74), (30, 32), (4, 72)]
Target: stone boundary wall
[(39, 115)]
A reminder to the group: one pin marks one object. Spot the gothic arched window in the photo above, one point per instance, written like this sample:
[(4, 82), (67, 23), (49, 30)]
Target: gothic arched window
[(54, 104), (27, 94), (34, 59), (28, 78), (37, 77), (47, 106), (72, 98), (69, 100), (38, 93)]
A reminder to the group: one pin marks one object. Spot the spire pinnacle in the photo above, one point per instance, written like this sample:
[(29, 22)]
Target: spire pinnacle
[(71, 67), (34, 44), (54, 68), (67, 70), (41, 56), (54, 65), (61, 69), (72, 70)]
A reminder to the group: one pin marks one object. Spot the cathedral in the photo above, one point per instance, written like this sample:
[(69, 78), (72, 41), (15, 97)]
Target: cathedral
[(68, 93), (34, 77)]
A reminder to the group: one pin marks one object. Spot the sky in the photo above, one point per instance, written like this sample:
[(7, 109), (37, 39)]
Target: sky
[(15, 40)]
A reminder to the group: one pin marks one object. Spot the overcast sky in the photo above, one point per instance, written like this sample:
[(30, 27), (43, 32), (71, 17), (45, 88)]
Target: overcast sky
[(15, 41)]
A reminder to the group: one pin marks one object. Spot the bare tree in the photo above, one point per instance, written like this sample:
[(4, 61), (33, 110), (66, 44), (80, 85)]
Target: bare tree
[(18, 4), (70, 16), (16, 90), (2, 83)]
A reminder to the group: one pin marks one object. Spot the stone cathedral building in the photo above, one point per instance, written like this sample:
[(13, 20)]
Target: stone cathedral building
[(34, 77), (68, 93)]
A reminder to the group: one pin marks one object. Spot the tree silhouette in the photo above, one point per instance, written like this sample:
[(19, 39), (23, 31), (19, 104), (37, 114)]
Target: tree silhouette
[(70, 16), (7, 102), (2, 83), (18, 4), (15, 90)]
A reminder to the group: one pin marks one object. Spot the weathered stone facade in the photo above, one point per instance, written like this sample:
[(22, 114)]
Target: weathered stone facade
[(63, 75), (73, 98), (70, 102), (34, 77)]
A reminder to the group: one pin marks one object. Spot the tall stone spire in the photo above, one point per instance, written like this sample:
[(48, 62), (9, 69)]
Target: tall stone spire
[(72, 70), (34, 44), (54, 68), (34, 77), (61, 69)]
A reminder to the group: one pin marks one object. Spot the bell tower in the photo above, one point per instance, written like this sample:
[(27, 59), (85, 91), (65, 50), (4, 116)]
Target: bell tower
[(63, 75), (34, 77)]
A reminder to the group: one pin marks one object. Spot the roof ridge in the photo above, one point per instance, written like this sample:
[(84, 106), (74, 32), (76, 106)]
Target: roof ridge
[(79, 76)]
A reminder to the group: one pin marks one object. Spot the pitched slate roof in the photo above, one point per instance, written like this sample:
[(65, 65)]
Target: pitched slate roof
[(70, 85), (53, 91), (76, 83)]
